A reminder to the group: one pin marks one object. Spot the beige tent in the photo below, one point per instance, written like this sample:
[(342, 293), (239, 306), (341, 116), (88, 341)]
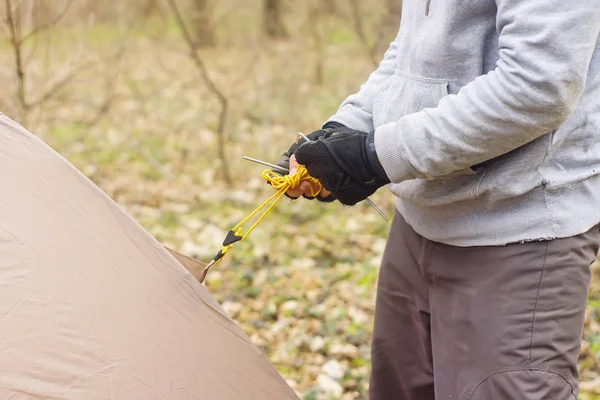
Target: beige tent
[(93, 307)]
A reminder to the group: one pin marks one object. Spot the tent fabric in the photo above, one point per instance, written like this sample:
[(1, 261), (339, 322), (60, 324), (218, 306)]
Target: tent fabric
[(194, 266), (93, 307)]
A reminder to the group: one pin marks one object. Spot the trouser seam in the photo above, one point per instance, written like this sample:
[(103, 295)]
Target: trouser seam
[(537, 296)]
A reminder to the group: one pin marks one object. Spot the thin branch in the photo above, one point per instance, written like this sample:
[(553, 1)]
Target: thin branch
[(17, 18), (315, 32), (360, 31), (44, 27), (34, 47), (243, 75), (36, 17), (111, 85), (12, 16), (193, 52), (58, 85), (5, 28)]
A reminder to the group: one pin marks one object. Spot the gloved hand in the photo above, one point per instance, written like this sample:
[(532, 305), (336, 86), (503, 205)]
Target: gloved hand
[(284, 161), (345, 162)]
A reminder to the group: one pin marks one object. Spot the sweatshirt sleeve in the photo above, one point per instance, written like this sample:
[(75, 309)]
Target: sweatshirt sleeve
[(356, 111), (545, 50)]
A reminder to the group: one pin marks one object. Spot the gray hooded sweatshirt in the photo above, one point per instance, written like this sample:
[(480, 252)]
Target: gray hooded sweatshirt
[(487, 118)]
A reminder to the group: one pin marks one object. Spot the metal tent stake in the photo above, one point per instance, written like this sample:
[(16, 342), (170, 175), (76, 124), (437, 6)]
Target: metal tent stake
[(286, 170), (367, 199)]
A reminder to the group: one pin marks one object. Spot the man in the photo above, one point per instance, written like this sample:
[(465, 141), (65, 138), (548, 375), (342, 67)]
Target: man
[(484, 120)]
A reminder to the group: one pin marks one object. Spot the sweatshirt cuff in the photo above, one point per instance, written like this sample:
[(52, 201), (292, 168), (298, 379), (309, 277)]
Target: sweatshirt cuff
[(353, 118), (391, 157)]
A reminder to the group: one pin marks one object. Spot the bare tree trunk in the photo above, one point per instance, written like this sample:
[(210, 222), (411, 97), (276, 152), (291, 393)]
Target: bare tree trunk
[(390, 24), (318, 44), (329, 7), (203, 24), (360, 32), (394, 11), (42, 12), (212, 87), (149, 8), (273, 23)]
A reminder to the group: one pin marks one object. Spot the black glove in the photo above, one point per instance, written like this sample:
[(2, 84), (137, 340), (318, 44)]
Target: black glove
[(345, 162), (284, 161)]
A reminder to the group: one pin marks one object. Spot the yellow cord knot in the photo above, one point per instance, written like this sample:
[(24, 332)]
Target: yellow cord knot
[(287, 182), (281, 183)]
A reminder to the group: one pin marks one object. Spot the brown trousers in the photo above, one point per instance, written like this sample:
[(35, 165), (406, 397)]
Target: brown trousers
[(479, 323)]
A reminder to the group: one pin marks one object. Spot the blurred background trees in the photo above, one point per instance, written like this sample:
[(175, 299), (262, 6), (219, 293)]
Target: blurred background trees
[(255, 51), (157, 100), (203, 23), (52, 41), (272, 19)]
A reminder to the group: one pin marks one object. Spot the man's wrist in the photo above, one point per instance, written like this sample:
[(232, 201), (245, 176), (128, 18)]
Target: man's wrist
[(333, 125), (373, 159)]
